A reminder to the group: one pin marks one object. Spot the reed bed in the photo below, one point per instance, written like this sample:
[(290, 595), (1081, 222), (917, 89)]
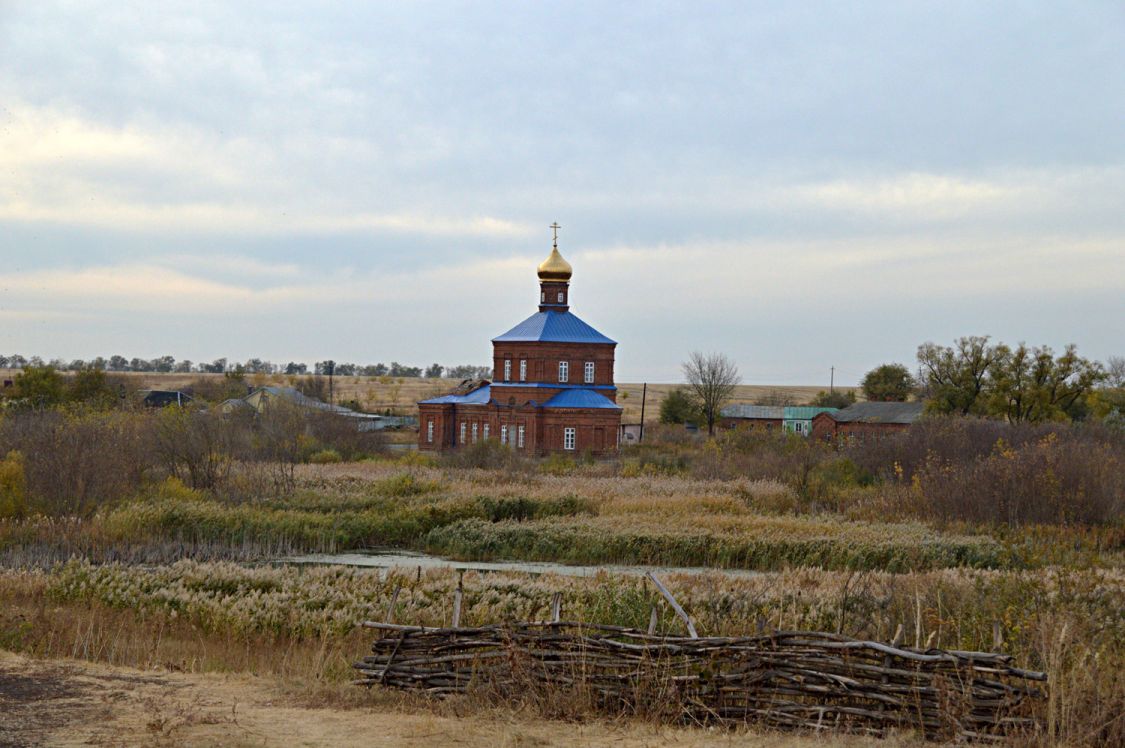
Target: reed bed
[(1065, 622), (482, 515)]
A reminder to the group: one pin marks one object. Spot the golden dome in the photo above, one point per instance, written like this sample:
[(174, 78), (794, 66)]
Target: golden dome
[(555, 268)]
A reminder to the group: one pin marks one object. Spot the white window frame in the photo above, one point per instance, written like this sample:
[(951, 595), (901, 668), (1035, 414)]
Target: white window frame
[(484, 432), (519, 436), (476, 429), (464, 428), (523, 369), (589, 373), (503, 434), (542, 297), (564, 371), (560, 297), (507, 370), (430, 431), (569, 438)]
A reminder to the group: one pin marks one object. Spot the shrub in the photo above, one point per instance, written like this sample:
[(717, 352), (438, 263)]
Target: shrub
[(325, 457), (975, 470), (488, 454), (77, 459), (13, 486)]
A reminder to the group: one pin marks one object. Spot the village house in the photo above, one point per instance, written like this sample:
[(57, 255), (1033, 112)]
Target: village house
[(552, 388), (793, 419), (868, 420), (259, 400), (798, 419), (752, 416)]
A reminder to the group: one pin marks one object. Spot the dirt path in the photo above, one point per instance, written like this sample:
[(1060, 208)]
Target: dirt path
[(71, 703)]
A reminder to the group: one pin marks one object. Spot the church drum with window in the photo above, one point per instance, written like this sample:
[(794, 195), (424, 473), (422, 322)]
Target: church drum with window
[(553, 389)]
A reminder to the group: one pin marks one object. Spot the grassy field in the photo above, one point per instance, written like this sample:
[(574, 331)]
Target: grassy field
[(584, 516), (149, 572), (296, 625), (399, 395)]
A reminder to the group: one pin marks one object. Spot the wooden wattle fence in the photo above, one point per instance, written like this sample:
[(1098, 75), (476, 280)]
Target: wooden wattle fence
[(790, 679)]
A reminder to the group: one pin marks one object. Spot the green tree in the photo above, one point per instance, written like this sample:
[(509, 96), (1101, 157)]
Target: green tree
[(90, 386), (679, 407), (711, 380), (40, 386), (834, 399), (1030, 384), (889, 382), (955, 377)]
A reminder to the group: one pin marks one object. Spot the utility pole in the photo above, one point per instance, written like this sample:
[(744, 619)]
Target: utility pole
[(644, 396), (832, 380)]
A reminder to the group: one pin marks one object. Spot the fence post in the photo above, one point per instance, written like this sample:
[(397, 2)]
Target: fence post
[(675, 605), (390, 617)]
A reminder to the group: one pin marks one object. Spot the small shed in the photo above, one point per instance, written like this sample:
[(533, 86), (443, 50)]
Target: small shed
[(163, 398), (630, 433)]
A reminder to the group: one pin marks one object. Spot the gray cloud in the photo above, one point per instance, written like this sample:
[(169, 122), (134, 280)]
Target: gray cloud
[(765, 179)]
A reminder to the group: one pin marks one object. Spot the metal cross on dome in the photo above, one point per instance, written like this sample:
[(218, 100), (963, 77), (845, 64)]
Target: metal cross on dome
[(555, 234)]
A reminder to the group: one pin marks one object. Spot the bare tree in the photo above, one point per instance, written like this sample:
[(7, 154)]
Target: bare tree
[(711, 379), (1115, 371)]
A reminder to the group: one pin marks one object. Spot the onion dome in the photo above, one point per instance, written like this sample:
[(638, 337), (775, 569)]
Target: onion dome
[(555, 268)]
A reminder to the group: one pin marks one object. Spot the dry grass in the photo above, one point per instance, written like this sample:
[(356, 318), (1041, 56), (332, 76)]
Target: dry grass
[(98, 704), (293, 625)]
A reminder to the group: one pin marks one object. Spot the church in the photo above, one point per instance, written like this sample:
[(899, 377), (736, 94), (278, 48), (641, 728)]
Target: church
[(552, 387)]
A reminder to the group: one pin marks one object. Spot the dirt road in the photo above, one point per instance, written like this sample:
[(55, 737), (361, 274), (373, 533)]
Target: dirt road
[(71, 703)]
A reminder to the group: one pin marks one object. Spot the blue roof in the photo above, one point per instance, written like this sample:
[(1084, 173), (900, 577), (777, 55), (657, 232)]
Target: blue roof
[(479, 396), (553, 327), (580, 399)]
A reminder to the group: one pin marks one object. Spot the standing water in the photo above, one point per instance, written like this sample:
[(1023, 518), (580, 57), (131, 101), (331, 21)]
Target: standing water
[(386, 559)]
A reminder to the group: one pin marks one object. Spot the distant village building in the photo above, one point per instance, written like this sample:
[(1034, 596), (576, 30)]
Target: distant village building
[(866, 420), (767, 417), (631, 433), (259, 400), (798, 419), (793, 419), (163, 398), (552, 388)]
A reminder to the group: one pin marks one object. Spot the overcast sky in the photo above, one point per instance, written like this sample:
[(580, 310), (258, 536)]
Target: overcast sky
[(799, 185)]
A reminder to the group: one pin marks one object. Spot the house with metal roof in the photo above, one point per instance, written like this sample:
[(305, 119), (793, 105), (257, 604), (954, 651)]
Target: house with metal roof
[(793, 419), (797, 419), (741, 415), (866, 420), (260, 398), (552, 388)]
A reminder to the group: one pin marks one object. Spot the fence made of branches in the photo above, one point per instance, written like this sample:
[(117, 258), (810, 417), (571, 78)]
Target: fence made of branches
[(788, 679)]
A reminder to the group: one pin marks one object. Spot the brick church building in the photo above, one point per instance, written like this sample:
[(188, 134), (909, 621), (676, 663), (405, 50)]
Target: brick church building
[(552, 388)]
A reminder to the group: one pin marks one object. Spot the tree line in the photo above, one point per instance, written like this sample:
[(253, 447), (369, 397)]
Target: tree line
[(972, 377), (169, 365)]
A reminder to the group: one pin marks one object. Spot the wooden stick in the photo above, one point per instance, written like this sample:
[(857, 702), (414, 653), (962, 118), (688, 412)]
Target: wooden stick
[(556, 607), (390, 617), (675, 605)]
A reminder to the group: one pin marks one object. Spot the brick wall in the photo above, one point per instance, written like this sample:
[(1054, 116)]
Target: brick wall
[(543, 361)]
